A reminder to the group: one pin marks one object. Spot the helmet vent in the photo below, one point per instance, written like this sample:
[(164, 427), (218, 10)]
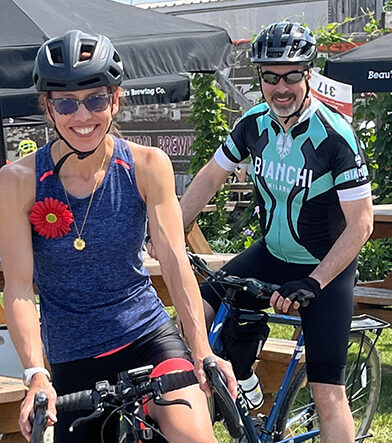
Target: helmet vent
[(55, 85), (57, 55), (90, 81), (114, 72), (86, 52)]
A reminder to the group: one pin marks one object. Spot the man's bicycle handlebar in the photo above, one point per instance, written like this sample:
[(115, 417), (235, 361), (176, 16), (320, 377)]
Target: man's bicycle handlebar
[(257, 289)]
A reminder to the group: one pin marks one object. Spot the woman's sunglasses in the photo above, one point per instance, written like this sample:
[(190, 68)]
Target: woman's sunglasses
[(290, 78), (66, 106)]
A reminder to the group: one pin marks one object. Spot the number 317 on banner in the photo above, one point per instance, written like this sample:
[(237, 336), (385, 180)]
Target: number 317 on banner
[(333, 93)]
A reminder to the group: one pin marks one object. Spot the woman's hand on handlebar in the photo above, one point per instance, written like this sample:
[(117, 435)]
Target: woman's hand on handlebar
[(227, 370), (38, 383)]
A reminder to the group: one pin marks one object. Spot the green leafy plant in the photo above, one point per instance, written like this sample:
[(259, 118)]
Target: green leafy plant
[(211, 128), (387, 6), (375, 260), (373, 122)]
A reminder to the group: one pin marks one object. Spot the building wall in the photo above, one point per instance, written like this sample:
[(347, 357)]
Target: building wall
[(243, 18)]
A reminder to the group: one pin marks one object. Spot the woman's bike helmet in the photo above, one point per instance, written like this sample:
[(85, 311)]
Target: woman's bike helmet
[(285, 43), (77, 61), (73, 62)]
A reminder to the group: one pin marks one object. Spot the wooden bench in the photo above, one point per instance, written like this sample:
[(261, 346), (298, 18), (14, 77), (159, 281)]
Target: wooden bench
[(271, 367), (230, 206), (12, 393), (375, 301), (241, 188)]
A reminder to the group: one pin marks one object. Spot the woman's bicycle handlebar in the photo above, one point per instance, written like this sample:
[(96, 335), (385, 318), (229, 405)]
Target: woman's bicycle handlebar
[(133, 385)]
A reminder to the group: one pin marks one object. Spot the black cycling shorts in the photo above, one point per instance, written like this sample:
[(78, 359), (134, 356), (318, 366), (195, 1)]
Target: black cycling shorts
[(326, 321), (163, 348)]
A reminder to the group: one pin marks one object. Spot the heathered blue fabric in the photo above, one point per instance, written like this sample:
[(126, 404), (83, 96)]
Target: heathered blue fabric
[(95, 300)]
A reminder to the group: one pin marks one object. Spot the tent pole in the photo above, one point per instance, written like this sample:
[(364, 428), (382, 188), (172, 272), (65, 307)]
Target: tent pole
[(3, 152), (228, 86)]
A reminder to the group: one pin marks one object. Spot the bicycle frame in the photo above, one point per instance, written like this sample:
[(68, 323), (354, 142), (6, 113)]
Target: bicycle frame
[(360, 324), (266, 435)]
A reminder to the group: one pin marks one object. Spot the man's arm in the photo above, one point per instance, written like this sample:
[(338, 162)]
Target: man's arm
[(201, 190), (359, 226)]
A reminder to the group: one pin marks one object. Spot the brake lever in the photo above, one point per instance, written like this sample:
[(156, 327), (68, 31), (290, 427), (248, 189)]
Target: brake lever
[(39, 417), (217, 382), (162, 402), (97, 413)]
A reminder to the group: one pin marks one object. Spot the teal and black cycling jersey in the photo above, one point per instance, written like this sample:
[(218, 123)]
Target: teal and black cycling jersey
[(299, 176)]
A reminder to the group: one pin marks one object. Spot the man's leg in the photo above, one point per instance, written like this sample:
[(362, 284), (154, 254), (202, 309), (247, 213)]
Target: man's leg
[(326, 326), (336, 421)]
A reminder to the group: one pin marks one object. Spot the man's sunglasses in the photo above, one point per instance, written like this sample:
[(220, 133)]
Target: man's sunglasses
[(66, 106), (290, 78)]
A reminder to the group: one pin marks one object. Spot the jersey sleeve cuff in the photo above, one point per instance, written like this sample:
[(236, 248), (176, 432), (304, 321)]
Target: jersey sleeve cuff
[(356, 193), (223, 161)]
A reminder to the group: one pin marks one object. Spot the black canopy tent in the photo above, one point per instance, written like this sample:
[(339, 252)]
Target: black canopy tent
[(150, 43), (368, 68)]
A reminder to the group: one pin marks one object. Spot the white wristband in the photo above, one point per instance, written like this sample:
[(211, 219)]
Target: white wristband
[(30, 372)]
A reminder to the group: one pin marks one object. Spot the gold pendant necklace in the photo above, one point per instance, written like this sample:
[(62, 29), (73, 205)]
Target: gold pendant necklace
[(79, 244)]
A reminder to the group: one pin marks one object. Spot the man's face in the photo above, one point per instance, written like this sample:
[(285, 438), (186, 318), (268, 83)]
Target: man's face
[(284, 98)]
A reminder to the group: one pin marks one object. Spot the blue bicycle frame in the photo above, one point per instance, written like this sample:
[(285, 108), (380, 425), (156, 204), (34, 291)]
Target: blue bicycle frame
[(266, 435)]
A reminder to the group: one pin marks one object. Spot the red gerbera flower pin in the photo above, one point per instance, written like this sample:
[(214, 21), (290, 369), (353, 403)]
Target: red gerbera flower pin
[(51, 218)]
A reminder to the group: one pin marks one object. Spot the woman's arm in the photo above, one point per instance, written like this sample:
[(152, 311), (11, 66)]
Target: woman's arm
[(156, 183), (17, 183)]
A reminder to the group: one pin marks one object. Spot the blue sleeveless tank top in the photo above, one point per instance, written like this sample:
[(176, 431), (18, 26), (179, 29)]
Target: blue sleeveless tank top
[(101, 298)]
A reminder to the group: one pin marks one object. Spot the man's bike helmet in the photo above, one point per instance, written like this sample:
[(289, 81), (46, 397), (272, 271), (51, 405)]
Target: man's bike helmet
[(26, 146), (285, 43), (77, 61)]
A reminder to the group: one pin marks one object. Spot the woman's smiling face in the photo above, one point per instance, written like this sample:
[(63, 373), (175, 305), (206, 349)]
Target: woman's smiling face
[(83, 129)]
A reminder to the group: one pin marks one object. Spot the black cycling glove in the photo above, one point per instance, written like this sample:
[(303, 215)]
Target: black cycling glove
[(301, 291)]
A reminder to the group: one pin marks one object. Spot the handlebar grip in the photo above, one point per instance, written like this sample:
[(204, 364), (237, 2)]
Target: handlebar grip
[(76, 401), (217, 383), (177, 380)]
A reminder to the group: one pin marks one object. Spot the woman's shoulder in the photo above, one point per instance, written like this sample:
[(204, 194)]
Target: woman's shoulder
[(18, 177), (147, 155)]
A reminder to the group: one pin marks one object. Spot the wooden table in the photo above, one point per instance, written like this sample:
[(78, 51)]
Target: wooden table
[(12, 393), (382, 221), (375, 297)]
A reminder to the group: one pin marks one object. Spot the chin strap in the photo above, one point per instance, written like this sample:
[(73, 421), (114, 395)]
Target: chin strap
[(81, 155)]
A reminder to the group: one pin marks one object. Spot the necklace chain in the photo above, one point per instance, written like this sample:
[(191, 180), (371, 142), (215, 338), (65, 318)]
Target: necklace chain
[(79, 243)]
